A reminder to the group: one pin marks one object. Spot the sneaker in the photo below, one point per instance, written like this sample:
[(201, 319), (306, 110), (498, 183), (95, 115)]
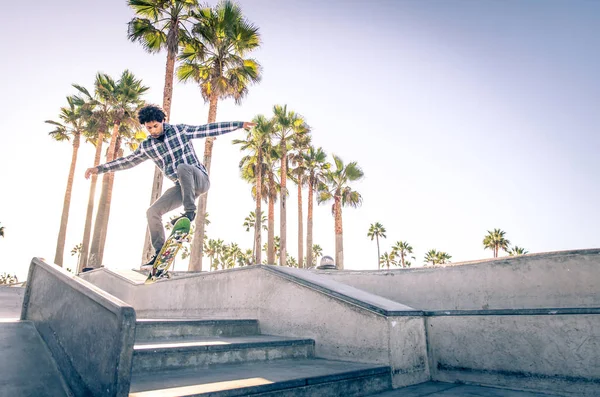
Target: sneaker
[(149, 264), (190, 215)]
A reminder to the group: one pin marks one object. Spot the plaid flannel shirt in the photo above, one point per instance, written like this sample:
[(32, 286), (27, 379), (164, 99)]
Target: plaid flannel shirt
[(175, 149)]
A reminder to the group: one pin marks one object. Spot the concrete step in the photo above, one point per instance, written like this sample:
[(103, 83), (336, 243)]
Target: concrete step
[(27, 367), (192, 352), (284, 378), (150, 329)]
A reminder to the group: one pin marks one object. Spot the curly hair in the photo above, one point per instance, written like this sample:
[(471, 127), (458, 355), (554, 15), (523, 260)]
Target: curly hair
[(151, 113)]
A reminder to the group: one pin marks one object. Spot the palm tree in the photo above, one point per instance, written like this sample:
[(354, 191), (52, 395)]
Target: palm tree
[(287, 124), (375, 231), (316, 164), (215, 58), (317, 251), (403, 249), (388, 259), (437, 257), (495, 241), (73, 127), (160, 25), (255, 143), (300, 146), (431, 257), (276, 250), (97, 114), (516, 251), (124, 98), (337, 188), (251, 223), (271, 159)]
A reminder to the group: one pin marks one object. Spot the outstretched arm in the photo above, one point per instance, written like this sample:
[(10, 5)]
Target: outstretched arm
[(212, 129), (122, 163)]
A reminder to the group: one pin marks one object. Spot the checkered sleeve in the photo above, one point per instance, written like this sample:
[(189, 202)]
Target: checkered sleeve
[(123, 163), (208, 130)]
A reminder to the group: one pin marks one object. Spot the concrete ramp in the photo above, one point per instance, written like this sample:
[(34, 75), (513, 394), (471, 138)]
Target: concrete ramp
[(23, 351)]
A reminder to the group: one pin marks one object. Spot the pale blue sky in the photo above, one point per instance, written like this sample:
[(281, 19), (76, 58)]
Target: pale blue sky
[(465, 116)]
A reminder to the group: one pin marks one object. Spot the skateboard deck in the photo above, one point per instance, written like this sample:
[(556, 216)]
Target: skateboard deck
[(168, 252)]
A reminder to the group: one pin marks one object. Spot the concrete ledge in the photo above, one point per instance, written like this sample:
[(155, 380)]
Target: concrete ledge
[(515, 312), (343, 292), (562, 279), (89, 332)]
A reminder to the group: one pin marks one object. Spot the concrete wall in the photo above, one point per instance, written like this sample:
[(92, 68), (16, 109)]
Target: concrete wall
[(89, 332), (345, 323), (552, 280), (558, 353), (11, 300)]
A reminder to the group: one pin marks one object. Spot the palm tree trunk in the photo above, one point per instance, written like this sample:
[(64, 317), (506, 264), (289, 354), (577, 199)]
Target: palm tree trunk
[(157, 181), (402, 257), (258, 223), (309, 226), (90, 208), (111, 181), (101, 223), (64, 220), (300, 226), (282, 207), (197, 243), (271, 231), (378, 254), (339, 236)]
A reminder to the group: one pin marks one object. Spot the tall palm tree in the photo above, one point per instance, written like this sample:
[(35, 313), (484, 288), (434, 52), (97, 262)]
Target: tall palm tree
[(97, 116), (255, 143), (316, 164), (160, 25), (72, 126), (516, 251), (215, 58), (403, 249), (337, 188), (271, 159), (377, 230), (287, 124), (299, 172), (124, 98), (388, 259), (495, 241)]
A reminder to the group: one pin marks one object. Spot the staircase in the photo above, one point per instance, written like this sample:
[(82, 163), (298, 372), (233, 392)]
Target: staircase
[(232, 358)]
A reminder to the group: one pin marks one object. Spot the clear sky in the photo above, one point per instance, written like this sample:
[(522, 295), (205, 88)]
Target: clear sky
[(464, 115)]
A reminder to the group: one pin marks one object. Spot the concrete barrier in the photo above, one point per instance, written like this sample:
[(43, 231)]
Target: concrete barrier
[(89, 332), (555, 351), (550, 280), (346, 323)]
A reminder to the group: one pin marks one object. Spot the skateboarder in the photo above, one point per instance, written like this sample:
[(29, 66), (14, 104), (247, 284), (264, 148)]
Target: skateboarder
[(169, 146)]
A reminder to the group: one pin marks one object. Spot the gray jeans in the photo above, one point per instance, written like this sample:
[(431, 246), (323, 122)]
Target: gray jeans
[(191, 183)]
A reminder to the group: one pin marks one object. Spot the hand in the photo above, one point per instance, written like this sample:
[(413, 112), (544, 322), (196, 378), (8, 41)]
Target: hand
[(91, 171), (247, 125)]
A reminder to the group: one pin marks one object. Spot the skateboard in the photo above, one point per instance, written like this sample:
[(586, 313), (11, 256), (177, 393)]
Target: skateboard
[(168, 252)]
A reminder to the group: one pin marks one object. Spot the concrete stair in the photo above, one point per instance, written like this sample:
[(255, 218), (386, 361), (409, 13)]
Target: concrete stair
[(231, 358)]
